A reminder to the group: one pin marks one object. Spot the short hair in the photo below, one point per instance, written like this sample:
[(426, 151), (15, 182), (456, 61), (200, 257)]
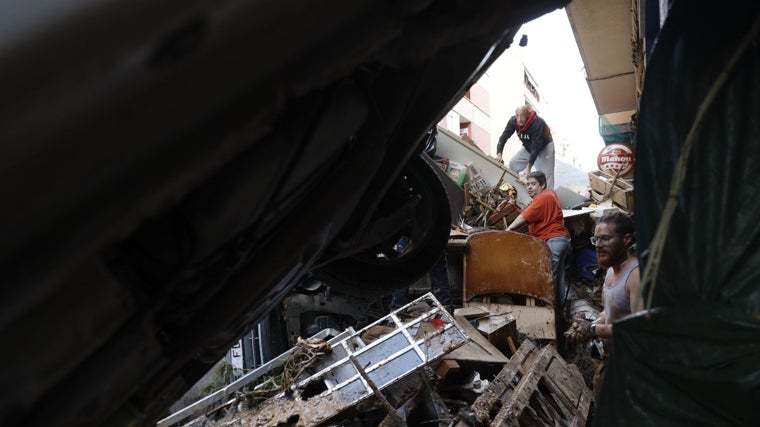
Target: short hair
[(538, 176), (621, 222)]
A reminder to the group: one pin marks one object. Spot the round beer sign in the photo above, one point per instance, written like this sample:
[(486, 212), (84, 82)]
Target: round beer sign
[(616, 157)]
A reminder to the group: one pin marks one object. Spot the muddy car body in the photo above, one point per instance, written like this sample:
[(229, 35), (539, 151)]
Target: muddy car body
[(170, 170)]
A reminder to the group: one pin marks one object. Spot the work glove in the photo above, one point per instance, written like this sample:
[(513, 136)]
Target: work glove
[(580, 331)]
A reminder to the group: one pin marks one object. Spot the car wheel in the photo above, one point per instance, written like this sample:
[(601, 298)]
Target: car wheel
[(411, 249)]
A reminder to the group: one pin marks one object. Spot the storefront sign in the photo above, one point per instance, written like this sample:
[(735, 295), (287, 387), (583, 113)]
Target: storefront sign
[(616, 157)]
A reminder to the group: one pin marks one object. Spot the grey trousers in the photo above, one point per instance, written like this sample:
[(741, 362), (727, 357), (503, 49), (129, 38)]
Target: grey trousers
[(544, 162)]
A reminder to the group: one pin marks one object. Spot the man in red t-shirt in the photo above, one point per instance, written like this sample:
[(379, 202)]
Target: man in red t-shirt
[(545, 221)]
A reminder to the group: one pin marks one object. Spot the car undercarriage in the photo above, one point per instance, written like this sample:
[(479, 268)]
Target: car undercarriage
[(171, 170)]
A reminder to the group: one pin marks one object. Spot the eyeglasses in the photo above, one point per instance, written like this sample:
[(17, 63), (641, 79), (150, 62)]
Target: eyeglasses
[(601, 240)]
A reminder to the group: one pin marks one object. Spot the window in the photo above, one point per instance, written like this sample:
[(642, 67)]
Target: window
[(531, 85)]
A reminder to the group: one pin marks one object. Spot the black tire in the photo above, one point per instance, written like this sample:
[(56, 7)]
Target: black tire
[(386, 267)]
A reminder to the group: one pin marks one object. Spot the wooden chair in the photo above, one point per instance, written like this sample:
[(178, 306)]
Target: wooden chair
[(511, 272)]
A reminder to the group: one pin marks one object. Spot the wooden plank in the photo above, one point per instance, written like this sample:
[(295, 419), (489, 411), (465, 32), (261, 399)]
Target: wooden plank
[(575, 412), (562, 375), (471, 312), (602, 182), (573, 395), (478, 349), (621, 200), (551, 408), (535, 322), (511, 345)]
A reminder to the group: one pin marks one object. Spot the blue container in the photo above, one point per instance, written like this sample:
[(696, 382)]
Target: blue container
[(584, 264)]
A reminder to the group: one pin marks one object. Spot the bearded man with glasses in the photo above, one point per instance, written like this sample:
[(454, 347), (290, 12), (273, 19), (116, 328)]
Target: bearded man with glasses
[(614, 240)]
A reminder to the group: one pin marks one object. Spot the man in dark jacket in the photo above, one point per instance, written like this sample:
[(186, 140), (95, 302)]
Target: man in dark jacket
[(538, 145)]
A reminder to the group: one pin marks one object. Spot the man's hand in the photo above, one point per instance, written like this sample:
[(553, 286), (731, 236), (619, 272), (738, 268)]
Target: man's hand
[(499, 159), (525, 172), (580, 331)]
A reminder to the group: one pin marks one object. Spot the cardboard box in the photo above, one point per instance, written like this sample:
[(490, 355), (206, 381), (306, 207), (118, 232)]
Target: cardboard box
[(621, 194), (477, 182), (457, 172)]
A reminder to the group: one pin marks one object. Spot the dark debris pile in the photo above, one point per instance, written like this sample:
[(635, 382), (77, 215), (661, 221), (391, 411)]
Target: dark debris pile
[(494, 209)]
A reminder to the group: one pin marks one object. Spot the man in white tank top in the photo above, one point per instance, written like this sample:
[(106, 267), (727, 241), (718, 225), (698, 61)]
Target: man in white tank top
[(614, 239)]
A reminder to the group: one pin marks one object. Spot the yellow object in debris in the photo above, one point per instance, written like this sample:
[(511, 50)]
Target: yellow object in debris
[(508, 188), (592, 206)]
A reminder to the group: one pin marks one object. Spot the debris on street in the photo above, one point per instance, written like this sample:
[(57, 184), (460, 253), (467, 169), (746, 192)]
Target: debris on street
[(419, 365), (377, 369), (496, 359)]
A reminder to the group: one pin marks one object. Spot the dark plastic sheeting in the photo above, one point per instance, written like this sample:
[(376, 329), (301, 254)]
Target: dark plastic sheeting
[(692, 365), (695, 360)]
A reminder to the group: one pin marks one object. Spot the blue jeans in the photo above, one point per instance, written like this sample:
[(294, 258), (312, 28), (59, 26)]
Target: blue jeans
[(559, 246), (439, 285)]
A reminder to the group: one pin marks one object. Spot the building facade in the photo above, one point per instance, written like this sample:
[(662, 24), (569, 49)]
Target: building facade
[(481, 115)]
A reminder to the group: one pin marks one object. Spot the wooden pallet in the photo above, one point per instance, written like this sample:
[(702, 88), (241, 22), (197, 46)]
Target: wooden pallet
[(536, 388)]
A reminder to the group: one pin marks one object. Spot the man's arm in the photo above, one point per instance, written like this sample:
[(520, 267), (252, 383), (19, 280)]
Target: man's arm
[(633, 286), (602, 318), (601, 329), (517, 223), (508, 131)]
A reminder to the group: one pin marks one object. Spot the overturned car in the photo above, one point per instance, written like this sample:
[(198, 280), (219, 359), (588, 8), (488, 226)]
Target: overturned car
[(170, 170)]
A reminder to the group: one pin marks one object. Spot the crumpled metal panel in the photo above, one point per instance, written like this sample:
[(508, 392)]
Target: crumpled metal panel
[(220, 397), (417, 334)]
